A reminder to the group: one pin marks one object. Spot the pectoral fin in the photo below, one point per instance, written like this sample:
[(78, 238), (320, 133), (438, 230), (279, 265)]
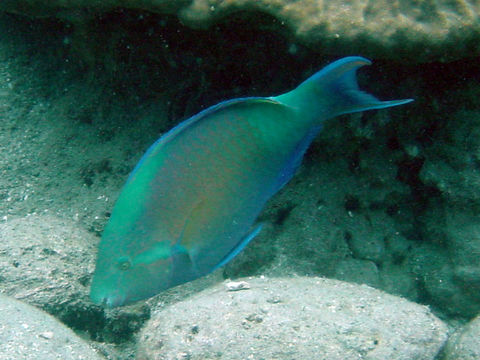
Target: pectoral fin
[(183, 268)]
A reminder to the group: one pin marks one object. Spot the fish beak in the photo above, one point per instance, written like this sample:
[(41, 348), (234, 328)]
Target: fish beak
[(110, 300)]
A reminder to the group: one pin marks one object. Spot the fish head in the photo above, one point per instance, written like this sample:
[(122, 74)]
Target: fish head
[(124, 278)]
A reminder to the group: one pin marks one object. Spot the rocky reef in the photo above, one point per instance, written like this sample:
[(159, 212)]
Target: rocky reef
[(387, 199), (403, 29)]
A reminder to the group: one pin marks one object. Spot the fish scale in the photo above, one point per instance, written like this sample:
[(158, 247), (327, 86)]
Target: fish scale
[(191, 202)]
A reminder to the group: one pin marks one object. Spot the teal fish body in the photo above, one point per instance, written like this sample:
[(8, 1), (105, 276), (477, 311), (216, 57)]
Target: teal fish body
[(190, 204)]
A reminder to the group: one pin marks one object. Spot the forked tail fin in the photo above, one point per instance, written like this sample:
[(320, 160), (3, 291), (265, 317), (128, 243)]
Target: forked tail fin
[(334, 91)]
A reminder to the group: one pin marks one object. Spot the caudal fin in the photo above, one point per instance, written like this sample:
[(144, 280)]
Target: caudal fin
[(334, 91)]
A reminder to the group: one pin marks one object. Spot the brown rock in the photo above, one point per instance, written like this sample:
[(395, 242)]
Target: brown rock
[(409, 30)]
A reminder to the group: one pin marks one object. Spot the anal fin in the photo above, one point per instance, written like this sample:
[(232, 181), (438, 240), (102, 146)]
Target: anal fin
[(239, 247), (295, 159)]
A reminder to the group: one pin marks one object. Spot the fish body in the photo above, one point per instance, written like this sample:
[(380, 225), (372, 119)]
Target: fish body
[(190, 204)]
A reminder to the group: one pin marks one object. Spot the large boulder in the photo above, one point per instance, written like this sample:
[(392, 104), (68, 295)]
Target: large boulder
[(275, 318), (465, 343), (28, 333), (47, 262)]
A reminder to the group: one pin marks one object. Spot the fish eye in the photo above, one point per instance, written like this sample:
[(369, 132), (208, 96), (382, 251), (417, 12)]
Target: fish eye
[(124, 263)]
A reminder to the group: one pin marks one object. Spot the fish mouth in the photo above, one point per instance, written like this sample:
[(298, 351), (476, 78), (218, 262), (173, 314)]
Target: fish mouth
[(109, 301)]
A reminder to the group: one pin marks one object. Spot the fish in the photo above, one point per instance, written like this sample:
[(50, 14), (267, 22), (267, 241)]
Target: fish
[(190, 204)]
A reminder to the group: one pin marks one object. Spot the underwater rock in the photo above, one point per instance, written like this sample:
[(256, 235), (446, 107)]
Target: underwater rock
[(412, 31), (292, 318), (435, 272), (451, 222), (29, 333), (358, 271), (452, 162), (47, 262), (464, 344)]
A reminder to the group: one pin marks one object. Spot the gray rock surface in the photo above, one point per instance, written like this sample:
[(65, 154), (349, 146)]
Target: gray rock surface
[(297, 318), (45, 261), (465, 343), (60, 153), (452, 276), (31, 334), (48, 262)]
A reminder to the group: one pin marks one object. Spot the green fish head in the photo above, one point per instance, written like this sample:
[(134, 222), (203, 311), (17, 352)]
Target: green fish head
[(122, 279)]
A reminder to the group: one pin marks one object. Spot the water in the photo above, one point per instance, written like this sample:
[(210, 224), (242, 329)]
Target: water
[(385, 198)]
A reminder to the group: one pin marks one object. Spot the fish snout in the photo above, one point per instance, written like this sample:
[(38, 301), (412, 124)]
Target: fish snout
[(112, 301), (109, 300)]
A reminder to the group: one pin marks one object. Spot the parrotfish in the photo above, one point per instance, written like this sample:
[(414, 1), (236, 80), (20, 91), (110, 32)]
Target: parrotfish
[(190, 204)]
